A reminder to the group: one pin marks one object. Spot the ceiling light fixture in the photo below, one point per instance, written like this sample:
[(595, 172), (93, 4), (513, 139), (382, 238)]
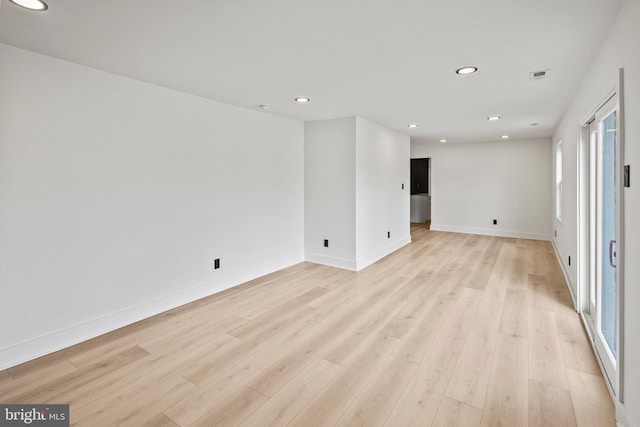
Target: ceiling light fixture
[(442, 141), (413, 125), (493, 118), (505, 136), (37, 5), (466, 70), (302, 99)]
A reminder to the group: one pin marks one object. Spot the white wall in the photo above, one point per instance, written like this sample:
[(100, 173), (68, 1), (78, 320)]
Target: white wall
[(472, 184), (116, 196), (619, 50), (354, 171), (330, 192), (382, 205)]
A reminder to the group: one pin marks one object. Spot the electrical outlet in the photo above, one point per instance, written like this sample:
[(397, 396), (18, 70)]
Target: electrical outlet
[(326, 243), (495, 222), (216, 263)]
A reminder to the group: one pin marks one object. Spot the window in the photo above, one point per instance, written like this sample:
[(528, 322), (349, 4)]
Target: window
[(559, 180)]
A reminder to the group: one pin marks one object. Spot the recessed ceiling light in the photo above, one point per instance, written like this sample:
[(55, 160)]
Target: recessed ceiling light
[(302, 99), (505, 136), (466, 70), (442, 141), (493, 118), (31, 4), (413, 125)]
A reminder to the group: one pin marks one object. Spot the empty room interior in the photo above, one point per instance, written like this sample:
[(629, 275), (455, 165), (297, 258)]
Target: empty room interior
[(336, 213)]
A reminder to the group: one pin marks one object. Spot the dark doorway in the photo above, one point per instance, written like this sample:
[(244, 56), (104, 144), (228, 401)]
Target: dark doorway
[(419, 176), (420, 207)]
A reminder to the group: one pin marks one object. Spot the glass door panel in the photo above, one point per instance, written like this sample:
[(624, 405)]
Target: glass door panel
[(608, 249), (601, 309)]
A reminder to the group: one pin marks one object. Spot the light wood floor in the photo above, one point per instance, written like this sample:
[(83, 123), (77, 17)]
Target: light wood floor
[(452, 330)]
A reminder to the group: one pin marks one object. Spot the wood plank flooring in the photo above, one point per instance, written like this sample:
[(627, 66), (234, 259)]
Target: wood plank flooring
[(452, 330)]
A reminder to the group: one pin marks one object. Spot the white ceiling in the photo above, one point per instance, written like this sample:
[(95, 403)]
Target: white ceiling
[(392, 62)]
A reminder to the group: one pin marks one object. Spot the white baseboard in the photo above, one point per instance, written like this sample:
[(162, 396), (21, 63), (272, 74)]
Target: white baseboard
[(46, 344), (622, 416), (490, 232), (357, 265), (377, 255), (344, 263), (567, 277)]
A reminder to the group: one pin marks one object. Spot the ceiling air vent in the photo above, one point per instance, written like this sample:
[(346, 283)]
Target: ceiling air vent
[(538, 75)]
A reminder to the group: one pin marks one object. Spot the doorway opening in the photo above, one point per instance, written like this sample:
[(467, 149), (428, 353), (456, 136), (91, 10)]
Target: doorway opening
[(420, 205)]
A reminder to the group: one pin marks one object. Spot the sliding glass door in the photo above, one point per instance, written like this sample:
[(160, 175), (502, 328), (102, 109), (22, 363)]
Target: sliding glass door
[(602, 310)]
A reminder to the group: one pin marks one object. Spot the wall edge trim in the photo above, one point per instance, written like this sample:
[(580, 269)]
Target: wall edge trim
[(344, 263), (567, 277), (490, 232), (75, 334), (365, 262)]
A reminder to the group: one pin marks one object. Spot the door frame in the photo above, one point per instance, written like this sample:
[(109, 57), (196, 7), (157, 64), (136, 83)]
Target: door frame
[(584, 224)]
